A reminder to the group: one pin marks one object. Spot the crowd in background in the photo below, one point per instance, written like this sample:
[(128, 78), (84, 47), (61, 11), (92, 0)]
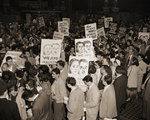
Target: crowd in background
[(45, 92)]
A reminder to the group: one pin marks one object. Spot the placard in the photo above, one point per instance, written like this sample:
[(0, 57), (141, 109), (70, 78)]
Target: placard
[(91, 31), (68, 20), (113, 28), (78, 68), (101, 32), (144, 36), (58, 36), (50, 51), (107, 20), (63, 27)]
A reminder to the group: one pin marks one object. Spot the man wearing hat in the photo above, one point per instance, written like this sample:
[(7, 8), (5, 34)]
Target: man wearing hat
[(8, 109)]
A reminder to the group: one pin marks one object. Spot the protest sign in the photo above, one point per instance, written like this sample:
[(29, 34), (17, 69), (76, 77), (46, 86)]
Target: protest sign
[(100, 22), (16, 58), (101, 32), (63, 27), (41, 22), (145, 29), (50, 51), (58, 36), (107, 20), (144, 36), (113, 28), (84, 48), (68, 20), (78, 68), (91, 31)]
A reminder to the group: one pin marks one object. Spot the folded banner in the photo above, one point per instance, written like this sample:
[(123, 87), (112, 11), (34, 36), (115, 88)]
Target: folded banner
[(91, 31), (50, 51)]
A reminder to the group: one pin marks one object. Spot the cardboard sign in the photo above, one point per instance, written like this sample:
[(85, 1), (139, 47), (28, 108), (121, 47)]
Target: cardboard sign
[(78, 68), (107, 20), (144, 36), (113, 28), (41, 22), (68, 20), (101, 32), (16, 58), (63, 27), (58, 36), (91, 31), (50, 51), (84, 48)]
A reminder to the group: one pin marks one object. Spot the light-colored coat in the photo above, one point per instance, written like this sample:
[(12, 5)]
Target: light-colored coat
[(92, 102), (75, 104), (108, 108)]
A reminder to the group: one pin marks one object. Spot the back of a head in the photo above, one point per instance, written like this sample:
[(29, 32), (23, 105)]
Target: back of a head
[(88, 78), (61, 63), (71, 81), (19, 73), (56, 70)]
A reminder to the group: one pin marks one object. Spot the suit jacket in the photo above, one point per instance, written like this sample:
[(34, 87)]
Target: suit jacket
[(120, 86), (75, 104), (108, 108), (41, 110), (8, 110), (92, 102), (146, 99)]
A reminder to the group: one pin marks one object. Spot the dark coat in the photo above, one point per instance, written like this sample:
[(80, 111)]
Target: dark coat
[(120, 85), (8, 110), (41, 110)]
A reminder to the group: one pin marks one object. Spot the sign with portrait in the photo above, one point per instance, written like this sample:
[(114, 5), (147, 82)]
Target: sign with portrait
[(41, 22), (101, 32), (16, 58), (58, 36), (50, 51), (113, 28), (84, 48), (144, 36), (91, 31), (68, 20), (63, 27), (78, 68), (107, 20)]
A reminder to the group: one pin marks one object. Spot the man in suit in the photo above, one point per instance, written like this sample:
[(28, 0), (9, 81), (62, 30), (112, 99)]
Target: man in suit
[(40, 109), (120, 85), (8, 109), (108, 108), (75, 102), (146, 99), (92, 98)]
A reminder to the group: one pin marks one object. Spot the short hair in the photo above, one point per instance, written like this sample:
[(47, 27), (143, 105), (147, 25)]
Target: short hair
[(44, 77), (8, 58), (19, 73), (7, 75), (92, 69), (142, 56), (31, 83), (99, 63), (100, 54), (88, 78), (108, 79), (61, 63), (71, 81), (135, 61), (107, 69), (44, 68), (56, 70), (121, 70)]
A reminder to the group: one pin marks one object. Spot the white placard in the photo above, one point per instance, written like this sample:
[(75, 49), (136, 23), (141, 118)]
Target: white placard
[(50, 51), (68, 20), (63, 27), (91, 31), (107, 20), (58, 36), (144, 36)]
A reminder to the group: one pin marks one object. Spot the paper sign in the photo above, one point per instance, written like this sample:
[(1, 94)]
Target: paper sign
[(113, 28), (63, 27), (58, 36), (84, 48), (144, 36), (78, 68), (107, 21), (91, 31), (50, 51), (101, 32), (100, 22), (68, 20)]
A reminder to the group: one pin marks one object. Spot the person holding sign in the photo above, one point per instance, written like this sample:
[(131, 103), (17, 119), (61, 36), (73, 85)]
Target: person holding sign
[(75, 102)]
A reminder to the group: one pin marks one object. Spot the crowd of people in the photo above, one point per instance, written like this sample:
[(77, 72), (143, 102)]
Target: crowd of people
[(119, 74)]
